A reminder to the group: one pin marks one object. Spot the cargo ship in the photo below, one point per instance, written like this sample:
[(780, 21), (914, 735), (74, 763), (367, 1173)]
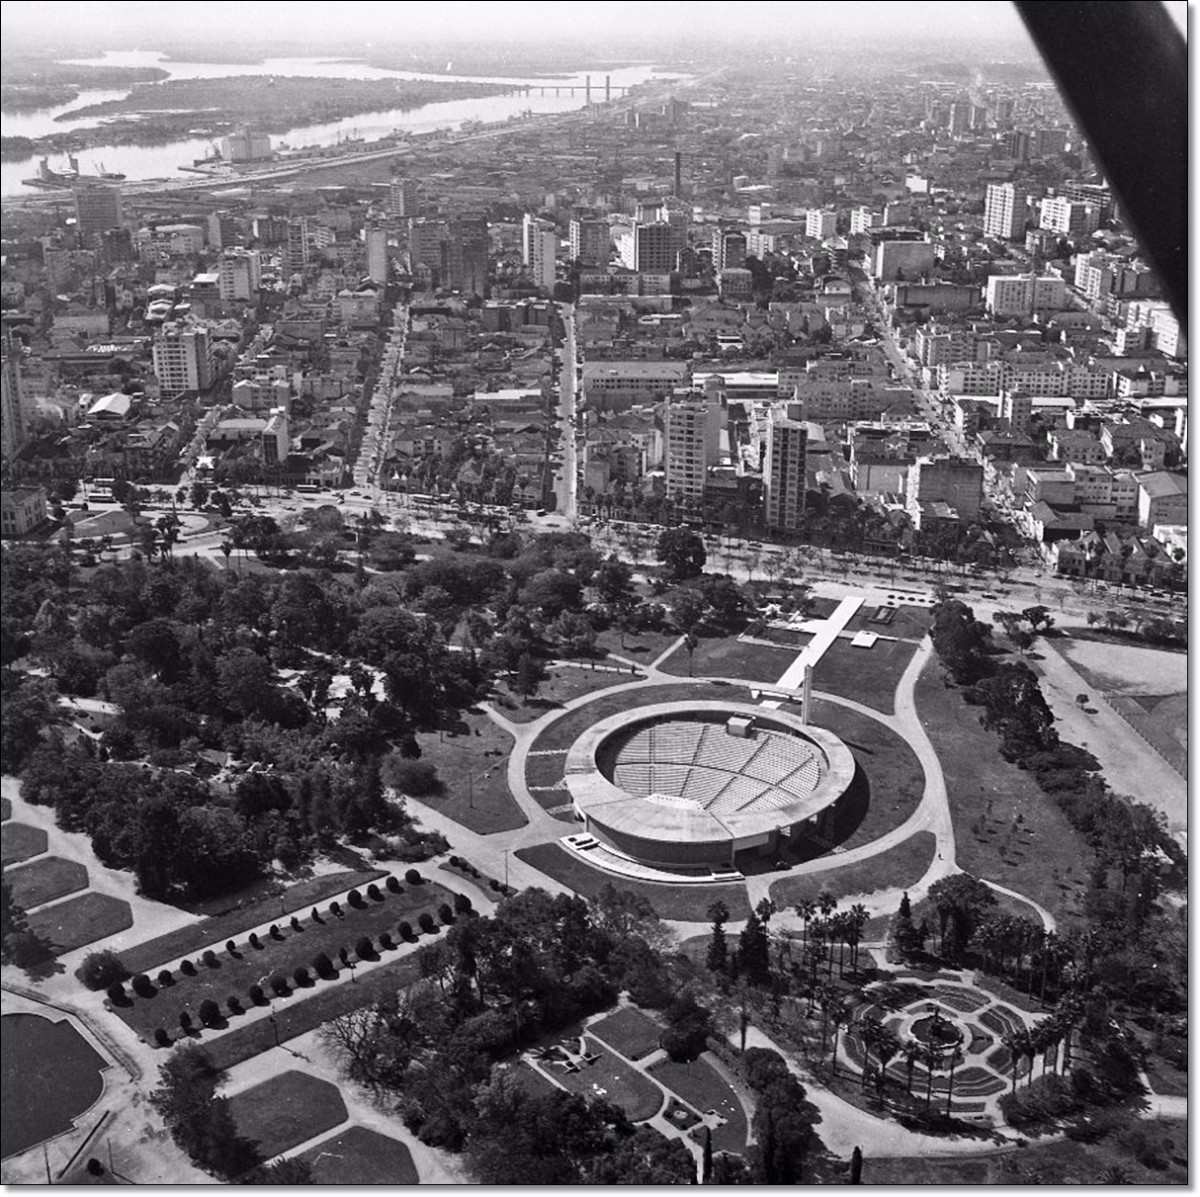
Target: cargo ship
[(53, 180)]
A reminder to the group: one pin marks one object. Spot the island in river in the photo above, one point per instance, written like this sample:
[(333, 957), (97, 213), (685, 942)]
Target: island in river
[(158, 113), (31, 82)]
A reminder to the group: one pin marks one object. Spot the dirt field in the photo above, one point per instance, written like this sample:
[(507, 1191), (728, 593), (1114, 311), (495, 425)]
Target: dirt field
[(1127, 668)]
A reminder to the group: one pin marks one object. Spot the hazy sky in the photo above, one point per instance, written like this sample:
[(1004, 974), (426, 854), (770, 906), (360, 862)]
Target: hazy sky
[(136, 24)]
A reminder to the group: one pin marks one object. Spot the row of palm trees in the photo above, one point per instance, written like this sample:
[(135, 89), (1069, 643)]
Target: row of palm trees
[(1052, 1038), (1020, 947), (826, 927)]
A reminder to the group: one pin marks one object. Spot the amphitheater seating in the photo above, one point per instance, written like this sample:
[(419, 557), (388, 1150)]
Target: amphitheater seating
[(719, 772), (704, 785), (670, 779)]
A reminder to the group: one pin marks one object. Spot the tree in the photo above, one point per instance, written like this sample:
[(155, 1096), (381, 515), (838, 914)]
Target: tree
[(613, 581), (1039, 618), (199, 1120), (754, 951), (683, 553), (718, 949), (960, 901), (551, 592), (688, 608), (905, 934), (529, 675), (19, 945), (99, 969)]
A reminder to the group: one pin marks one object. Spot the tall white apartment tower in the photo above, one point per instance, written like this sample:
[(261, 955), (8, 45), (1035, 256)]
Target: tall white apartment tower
[(784, 467), (182, 357), (12, 413), (1004, 212), (377, 256), (239, 274), (692, 442)]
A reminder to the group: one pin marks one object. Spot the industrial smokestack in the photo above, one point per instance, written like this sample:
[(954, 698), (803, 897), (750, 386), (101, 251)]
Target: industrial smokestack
[(678, 173)]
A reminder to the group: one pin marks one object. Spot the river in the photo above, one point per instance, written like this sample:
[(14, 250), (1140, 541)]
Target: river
[(163, 161)]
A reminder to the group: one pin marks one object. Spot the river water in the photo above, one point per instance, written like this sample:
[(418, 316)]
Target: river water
[(163, 161)]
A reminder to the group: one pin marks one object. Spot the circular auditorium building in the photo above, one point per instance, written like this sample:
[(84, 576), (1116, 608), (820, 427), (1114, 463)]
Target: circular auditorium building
[(690, 784)]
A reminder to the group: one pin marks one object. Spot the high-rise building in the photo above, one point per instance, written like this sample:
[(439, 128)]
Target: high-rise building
[(425, 240), (728, 249), (297, 251), (404, 199), (863, 218), (954, 481), (97, 209), (1017, 408), (223, 230), (1067, 217), (377, 255), (784, 467), (1097, 194), (1004, 212), (650, 248), (239, 274), (1023, 294), (12, 413), (540, 250), (116, 247), (591, 241), (182, 356), (692, 442), (465, 255), (820, 223)]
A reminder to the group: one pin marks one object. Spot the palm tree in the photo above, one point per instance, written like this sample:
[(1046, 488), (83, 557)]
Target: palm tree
[(955, 1057), (1051, 953), (1012, 1041), (868, 1033), (887, 1048), (1030, 1046), (805, 909), (856, 920), (839, 1015), (931, 1057), (913, 1050)]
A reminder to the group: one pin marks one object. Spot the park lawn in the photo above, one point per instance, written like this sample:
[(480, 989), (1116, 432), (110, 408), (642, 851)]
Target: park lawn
[(82, 920), (1061, 1162), (909, 623), (703, 1088), (629, 1031), (234, 975), (1042, 856), (19, 841), (867, 675), (726, 656), (566, 729), (359, 1156), (564, 683), (685, 903), (197, 936), (5, 810), (285, 1111), (611, 1078), (889, 783), (644, 647), (254, 1038), (45, 880), (472, 764), (535, 1083), (900, 867)]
